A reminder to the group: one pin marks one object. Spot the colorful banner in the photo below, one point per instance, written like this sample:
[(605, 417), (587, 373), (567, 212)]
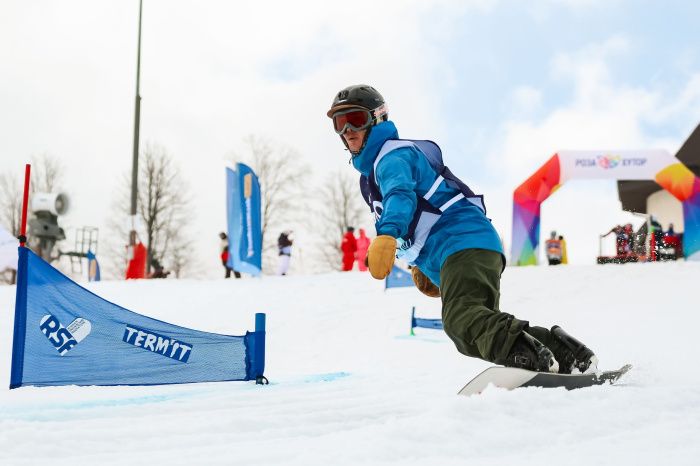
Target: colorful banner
[(66, 335), (244, 216), (655, 165), (612, 165)]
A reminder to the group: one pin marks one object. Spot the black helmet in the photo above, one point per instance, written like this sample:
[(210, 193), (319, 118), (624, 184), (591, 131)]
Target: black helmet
[(359, 95)]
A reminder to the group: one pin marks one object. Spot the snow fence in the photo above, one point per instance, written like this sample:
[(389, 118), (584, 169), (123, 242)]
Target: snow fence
[(66, 335)]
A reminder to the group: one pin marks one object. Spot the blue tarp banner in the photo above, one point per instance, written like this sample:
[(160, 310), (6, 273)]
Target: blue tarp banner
[(244, 218), (435, 324), (398, 278), (66, 335)]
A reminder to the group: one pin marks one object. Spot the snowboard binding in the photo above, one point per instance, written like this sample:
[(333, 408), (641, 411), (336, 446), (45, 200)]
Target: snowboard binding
[(574, 355), (529, 353)]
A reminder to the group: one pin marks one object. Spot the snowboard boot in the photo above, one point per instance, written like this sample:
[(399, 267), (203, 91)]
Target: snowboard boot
[(529, 353), (571, 353)]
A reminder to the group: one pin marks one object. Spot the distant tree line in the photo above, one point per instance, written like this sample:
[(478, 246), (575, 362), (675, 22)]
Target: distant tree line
[(165, 212), (289, 201)]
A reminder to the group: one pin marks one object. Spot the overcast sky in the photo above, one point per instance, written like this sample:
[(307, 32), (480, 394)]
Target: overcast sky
[(500, 85)]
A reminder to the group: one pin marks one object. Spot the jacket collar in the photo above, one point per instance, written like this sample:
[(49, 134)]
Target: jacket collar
[(379, 134)]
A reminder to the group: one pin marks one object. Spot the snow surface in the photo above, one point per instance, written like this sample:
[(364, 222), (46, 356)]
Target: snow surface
[(348, 385)]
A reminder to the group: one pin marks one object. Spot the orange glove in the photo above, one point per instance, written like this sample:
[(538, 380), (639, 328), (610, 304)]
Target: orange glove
[(381, 255), (424, 284)]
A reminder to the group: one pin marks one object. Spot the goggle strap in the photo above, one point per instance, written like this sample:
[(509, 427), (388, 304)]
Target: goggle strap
[(379, 112)]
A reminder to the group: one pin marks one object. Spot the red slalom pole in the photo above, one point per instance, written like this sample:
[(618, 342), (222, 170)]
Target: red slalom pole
[(23, 226)]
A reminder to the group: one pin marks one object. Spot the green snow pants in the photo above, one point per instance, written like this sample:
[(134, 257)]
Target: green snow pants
[(470, 289)]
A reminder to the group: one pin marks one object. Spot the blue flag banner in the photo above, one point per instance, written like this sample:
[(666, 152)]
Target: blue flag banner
[(66, 335), (244, 218), (398, 278), (435, 324)]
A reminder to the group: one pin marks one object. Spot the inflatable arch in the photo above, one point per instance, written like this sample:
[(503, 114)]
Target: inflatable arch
[(657, 165)]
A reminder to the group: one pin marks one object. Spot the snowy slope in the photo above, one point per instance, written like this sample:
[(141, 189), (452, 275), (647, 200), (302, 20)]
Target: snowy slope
[(350, 386)]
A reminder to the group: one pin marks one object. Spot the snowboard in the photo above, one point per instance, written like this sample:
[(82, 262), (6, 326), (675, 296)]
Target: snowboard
[(510, 378)]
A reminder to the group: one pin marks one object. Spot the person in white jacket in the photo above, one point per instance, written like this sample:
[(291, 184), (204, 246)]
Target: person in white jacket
[(284, 244)]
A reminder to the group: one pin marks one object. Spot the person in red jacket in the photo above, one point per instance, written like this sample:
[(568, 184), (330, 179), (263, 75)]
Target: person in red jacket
[(362, 246), (224, 256), (349, 248), (136, 267)]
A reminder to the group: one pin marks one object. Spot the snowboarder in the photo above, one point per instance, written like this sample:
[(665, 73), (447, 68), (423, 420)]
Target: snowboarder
[(362, 246), (433, 221), (349, 248)]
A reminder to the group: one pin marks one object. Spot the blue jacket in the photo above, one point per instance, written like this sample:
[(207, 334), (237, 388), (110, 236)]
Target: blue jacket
[(402, 175)]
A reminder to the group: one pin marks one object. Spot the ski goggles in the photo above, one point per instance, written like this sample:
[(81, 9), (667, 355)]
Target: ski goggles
[(356, 118)]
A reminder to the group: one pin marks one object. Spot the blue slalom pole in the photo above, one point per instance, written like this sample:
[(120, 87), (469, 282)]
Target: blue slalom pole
[(413, 319), (258, 362)]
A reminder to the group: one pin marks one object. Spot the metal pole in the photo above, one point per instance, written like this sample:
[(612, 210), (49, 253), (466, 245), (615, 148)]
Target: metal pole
[(137, 120), (25, 201)]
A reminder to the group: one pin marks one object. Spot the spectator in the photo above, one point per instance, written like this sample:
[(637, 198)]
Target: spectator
[(225, 256), (621, 240), (284, 244), (564, 255), (362, 246), (349, 248), (158, 270), (137, 261), (671, 231), (554, 251), (672, 247), (641, 240), (657, 232), (628, 232)]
